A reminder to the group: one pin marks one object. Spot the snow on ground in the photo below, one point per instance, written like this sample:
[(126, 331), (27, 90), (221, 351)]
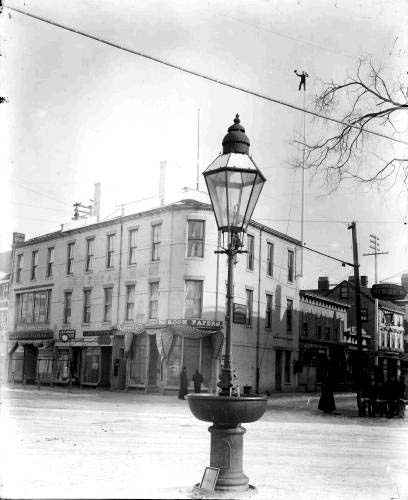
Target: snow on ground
[(101, 444)]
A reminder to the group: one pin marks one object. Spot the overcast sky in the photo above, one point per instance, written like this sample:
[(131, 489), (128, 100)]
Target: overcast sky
[(81, 112)]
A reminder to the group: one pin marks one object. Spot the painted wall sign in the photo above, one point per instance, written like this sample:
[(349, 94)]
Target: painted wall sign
[(239, 313), (31, 335), (66, 334), (388, 291), (96, 333), (203, 323)]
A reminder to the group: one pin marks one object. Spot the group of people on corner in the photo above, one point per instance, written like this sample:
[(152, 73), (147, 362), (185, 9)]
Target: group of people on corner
[(388, 398), (197, 381)]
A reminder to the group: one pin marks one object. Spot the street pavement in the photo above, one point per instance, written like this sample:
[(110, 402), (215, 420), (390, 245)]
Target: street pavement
[(102, 444)]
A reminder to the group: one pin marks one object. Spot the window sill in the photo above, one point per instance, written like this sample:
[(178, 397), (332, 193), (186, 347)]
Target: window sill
[(194, 258), (89, 272)]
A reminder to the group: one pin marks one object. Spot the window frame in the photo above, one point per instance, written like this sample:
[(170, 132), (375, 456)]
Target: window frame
[(50, 262), (132, 246), (130, 288), (249, 300), (364, 314), (107, 303), (67, 307), (289, 316), (268, 311), (192, 240), (156, 241), (270, 250), (70, 258), (153, 300), (291, 266), (86, 311), (19, 267), (250, 252), (34, 265), (89, 254), (110, 250)]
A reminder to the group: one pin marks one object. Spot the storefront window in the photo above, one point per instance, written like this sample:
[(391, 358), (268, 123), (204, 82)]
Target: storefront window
[(91, 368), (174, 363), (138, 360), (16, 370), (62, 365), (45, 365)]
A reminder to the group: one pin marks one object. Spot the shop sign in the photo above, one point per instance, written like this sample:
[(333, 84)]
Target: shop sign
[(388, 291), (239, 313), (203, 323), (31, 335), (66, 334), (96, 333)]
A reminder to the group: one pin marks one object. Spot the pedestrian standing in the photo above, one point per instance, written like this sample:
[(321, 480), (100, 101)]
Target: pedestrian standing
[(326, 402), (183, 383), (402, 396), (197, 380)]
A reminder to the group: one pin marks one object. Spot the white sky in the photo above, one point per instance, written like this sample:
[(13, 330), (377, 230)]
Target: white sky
[(81, 112)]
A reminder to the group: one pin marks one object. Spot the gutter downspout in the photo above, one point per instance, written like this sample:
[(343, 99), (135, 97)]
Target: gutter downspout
[(259, 314)]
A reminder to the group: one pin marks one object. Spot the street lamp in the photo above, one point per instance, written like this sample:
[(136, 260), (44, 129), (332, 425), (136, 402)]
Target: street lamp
[(234, 184)]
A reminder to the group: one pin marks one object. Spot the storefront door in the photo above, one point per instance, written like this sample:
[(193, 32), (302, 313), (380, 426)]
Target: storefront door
[(278, 370), (106, 359), (154, 365), (30, 364)]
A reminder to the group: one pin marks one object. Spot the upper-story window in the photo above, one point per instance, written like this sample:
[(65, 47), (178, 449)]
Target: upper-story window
[(291, 266), (130, 302), (364, 314), (327, 333), (344, 292), (269, 259), (89, 254), (109, 250), (86, 317), (107, 311), (153, 300), (389, 318), (289, 315), (33, 307), (250, 254), (268, 312), (4, 291), (132, 246), (195, 243), (19, 267), (34, 264), (193, 299), (67, 307), (249, 306), (50, 262), (156, 241), (70, 258)]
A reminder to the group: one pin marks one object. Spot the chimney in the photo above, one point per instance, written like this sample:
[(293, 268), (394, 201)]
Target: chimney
[(162, 182), (364, 280), (404, 282), (97, 201), (323, 283), (18, 238)]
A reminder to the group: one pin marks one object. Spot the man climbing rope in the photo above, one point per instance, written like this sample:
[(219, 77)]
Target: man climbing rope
[(302, 77)]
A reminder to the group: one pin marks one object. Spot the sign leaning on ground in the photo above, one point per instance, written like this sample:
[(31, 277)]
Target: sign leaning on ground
[(388, 291)]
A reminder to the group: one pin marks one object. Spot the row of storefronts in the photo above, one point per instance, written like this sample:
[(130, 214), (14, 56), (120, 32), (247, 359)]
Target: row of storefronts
[(148, 358)]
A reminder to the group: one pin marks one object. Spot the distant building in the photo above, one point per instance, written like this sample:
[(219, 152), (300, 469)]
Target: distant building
[(125, 303), (322, 343), (382, 325), (4, 297)]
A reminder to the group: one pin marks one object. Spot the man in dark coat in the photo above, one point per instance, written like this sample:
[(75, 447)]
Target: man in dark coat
[(183, 384), (391, 392), (197, 380), (326, 402), (402, 396)]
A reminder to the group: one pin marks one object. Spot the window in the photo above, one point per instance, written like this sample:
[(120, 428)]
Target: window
[(153, 300), (87, 307), (34, 264), (50, 261), (107, 311), (70, 258), (319, 331), (250, 254), (327, 333), (132, 246), (287, 366), (19, 267), (33, 307), (109, 250), (291, 267), (364, 314), (193, 299), (249, 306), (156, 230), (289, 313), (195, 243), (67, 307), (89, 254), (4, 291), (268, 314), (130, 302), (344, 293), (269, 259), (305, 329)]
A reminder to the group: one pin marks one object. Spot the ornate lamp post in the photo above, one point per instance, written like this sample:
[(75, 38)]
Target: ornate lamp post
[(234, 184)]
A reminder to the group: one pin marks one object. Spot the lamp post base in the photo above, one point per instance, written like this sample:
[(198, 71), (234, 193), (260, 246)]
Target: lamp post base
[(226, 455)]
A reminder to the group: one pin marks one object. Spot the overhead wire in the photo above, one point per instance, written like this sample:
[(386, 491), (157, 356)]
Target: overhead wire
[(204, 76)]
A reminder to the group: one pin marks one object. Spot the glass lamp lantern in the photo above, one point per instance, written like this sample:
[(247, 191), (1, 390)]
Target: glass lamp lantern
[(234, 182)]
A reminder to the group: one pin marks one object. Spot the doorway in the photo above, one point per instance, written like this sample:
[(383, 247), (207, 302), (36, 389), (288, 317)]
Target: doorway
[(154, 365), (278, 370)]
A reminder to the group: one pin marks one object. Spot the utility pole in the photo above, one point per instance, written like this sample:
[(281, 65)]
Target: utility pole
[(358, 317), (375, 246)]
